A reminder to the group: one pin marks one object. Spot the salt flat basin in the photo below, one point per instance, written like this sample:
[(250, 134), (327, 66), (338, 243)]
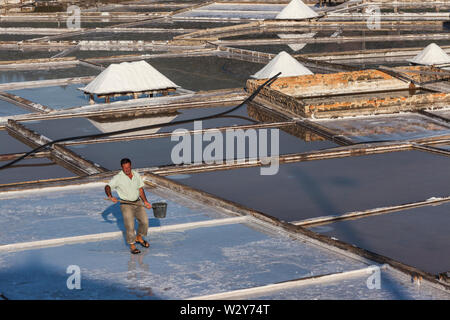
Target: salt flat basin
[(416, 237), (178, 265), (7, 76), (387, 127), (31, 170), (158, 152), (75, 211), (9, 144), (9, 109), (334, 186), (393, 286), (55, 97)]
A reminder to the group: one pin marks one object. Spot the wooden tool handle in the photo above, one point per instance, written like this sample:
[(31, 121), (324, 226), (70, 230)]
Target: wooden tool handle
[(128, 202)]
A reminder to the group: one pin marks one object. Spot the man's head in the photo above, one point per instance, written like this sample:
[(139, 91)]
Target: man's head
[(126, 165)]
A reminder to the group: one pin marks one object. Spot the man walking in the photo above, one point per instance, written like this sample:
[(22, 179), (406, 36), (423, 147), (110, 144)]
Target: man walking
[(130, 187)]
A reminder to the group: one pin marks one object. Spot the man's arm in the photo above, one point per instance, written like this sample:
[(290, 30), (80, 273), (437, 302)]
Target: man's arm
[(144, 198), (108, 193)]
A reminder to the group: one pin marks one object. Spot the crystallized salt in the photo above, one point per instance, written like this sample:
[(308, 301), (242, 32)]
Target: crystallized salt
[(284, 63), (431, 55), (128, 77), (296, 9)]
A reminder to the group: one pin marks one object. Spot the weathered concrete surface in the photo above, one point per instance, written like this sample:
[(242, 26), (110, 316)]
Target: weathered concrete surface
[(332, 84), (291, 93)]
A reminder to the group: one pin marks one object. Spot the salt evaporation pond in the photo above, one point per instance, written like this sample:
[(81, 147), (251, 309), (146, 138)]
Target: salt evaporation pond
[(334, 186), (417, 237)]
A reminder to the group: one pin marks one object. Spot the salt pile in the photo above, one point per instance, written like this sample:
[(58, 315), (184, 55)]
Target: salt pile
[(431, 55), (128, 77), (284, 63), (296, 9)]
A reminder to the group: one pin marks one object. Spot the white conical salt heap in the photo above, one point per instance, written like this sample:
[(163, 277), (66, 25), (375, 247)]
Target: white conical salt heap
[(284, 63), (128, 77), (431, 55), (296, 9), (297, 46)]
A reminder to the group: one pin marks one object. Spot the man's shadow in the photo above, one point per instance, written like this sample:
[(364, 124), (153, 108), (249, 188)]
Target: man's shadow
[(115, 211)]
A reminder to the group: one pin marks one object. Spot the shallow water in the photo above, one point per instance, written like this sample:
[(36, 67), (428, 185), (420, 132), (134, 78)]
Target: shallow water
[(391, 127), (50, 24), (61, 128), (9, 109), (417, 237), (32, 216), (211, 260), (444, 113), (174, 24), (178, 265), (206, 73), (118, 36), (8, 55), (55, 97), (86, 54), (337, 47), (9, 144), (323, 33), (158, 152), (334, 186), (32, 169), (18, 37), (46, 74)]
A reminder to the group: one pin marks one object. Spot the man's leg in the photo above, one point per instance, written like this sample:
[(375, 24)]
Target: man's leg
[(128, 221), (142, 218)]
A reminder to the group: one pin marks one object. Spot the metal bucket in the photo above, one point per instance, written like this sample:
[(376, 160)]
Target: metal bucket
[(159, 209)]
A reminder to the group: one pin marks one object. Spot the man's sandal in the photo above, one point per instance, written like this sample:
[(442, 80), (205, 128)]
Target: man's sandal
[(135, 251), (143, 243)]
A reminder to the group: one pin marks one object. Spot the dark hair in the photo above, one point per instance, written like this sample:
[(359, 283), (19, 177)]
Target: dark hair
[(124, 160)]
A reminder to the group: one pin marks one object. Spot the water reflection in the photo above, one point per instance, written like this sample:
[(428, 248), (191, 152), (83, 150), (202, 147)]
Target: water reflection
[(296, 46), (122, 122), (139, 273)]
